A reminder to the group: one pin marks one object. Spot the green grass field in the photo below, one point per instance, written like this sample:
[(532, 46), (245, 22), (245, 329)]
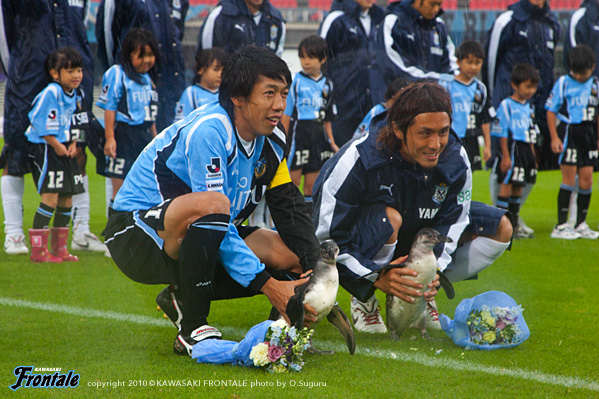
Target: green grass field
[(88, 317)]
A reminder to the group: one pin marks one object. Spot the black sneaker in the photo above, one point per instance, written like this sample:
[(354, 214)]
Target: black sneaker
[(168, 302), (184, 344)]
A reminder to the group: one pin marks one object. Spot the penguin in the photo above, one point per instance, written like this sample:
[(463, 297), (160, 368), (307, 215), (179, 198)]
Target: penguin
[(320, 292), (403, 315)]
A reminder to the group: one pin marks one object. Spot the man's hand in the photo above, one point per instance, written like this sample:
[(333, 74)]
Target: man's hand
[(279, 292), (432, 293)]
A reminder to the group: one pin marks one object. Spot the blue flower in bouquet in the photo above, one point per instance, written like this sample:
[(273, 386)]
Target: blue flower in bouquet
[(283, 348), (494, 325)]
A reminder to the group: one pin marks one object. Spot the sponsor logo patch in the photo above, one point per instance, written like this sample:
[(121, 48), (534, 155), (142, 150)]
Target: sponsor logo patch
[(440, 193)]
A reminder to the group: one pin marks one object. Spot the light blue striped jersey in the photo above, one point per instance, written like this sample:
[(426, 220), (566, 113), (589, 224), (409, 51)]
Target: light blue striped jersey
[(135, 103), (364, 126), (574, 102), (471, 106), (193, 97), (515, 121), (202, 153), (51, 114), (309, 97)]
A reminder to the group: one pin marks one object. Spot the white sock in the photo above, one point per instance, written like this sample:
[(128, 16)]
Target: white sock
[(573, 212), (494, 186), (474, 257), (108, 196), (12, 188), (385, 254), (80, 210)]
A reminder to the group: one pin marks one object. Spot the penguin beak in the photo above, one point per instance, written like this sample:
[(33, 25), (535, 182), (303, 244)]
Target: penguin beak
[(442, 238)]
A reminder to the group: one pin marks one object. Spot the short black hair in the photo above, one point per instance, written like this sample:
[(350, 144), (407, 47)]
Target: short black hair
[(137, 39), (313, 46), (581, 58), (205, 58), (64, 57), (523, 72), (394, 87), (242, 70), (470, 47)]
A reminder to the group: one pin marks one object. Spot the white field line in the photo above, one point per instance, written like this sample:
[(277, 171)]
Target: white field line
[(429, 361)]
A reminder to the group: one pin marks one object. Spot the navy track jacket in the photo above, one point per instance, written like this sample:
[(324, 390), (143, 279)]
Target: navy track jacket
[(362, 179), (582, 29), (230, 26), (524, 33), (353, 62), (415, 47)]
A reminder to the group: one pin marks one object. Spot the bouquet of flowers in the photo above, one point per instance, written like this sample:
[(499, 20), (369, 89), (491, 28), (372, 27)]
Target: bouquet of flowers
[(282, 349), (491, 320), (496, 325), (271, 345)]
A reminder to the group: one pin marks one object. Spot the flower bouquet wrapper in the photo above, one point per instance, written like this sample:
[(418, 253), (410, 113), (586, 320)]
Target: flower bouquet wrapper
[(216, 351), (491, 320)]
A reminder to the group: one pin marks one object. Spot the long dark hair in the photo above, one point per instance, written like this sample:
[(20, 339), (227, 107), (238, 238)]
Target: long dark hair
[(414, 99), (138, 38)]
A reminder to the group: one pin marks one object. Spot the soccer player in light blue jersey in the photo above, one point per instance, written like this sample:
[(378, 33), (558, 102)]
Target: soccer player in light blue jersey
[(178, 216), (52, 149), (472, 109), (130, 104), (310, 105), (517, 131), (574, 100), (204, 90)]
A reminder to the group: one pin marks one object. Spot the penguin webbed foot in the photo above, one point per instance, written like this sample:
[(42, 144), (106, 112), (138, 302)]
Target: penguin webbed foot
[(315, 351), (425, 335)]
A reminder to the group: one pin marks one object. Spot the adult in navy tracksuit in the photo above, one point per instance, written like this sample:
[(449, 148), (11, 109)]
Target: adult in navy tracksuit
[(376, 193), (236, 23), (527, 32), (353, 64), (416, 41), (164, 18), (582, 29), (29, 31)]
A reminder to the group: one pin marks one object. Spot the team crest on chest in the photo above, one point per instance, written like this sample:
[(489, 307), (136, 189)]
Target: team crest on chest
[(260, 168), (440, 193)]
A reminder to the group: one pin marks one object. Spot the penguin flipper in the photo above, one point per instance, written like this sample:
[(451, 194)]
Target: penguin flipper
[(295, 307), (337, 318), (274, 314), (446, 285)]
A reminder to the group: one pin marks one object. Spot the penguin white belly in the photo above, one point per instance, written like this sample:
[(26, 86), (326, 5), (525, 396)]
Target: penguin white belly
[(403, 315), (323, 294)]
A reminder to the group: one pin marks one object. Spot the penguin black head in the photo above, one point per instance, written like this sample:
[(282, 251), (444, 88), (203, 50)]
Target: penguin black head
[(329, 251), (430, 237)]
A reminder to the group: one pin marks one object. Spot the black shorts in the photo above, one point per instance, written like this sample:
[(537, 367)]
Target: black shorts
[(130, 142), (472, 148), (15, 159), (580, 146), (138, 251), (311, 147), (54, 174), (524, 166)]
